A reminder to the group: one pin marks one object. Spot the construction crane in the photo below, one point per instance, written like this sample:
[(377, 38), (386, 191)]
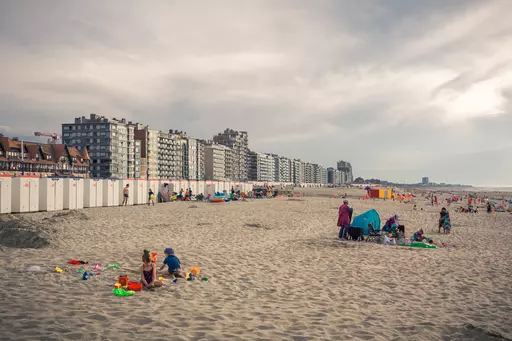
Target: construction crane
[(53, 138)]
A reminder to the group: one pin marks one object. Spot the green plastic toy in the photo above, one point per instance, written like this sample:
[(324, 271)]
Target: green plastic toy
[(113, 266), (122, 292), (204, 279)]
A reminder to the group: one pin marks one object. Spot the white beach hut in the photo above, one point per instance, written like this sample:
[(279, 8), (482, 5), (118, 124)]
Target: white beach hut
[(210, 188), (140, 192), (110, 192), (93, 192), (25, 194), (73, 193), (51, 194), (5, 193)]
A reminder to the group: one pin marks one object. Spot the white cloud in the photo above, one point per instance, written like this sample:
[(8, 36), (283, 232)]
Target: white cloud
[(297, 75)]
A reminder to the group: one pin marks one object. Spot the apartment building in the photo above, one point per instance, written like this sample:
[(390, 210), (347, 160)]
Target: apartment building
[(285, 169), (261, 166), (108, 142), (308, 172), (298, 171), (346, 167), (274, 171), (323, 175), (149, 150), (238, 141), (168, 167), (215, 156), (334, 176), (134, 150), (196, 163), (190, 156), (315, 175)]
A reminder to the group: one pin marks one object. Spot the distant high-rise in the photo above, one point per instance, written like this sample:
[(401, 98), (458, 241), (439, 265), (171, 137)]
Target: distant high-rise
[(334, 176), (298, 171), (238, 141), (261, 167), (346, 168), (425, 181), (167, 156), (216, 159), (149, 139)]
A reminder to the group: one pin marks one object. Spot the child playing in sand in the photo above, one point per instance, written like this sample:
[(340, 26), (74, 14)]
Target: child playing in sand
[(173, 264), (148, 272)]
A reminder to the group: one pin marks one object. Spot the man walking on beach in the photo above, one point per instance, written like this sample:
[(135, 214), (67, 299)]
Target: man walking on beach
[(344, 215), (126, 192)]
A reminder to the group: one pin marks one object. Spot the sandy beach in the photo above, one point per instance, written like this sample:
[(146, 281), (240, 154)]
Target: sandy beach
[(276, 271)]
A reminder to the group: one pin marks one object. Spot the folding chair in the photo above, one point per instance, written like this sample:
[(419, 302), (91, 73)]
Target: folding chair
[(373, 235)]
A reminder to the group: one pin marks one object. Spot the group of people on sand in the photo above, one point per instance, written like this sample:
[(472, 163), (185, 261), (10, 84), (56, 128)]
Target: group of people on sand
[(185, 195), (148, 269), (392, 226)]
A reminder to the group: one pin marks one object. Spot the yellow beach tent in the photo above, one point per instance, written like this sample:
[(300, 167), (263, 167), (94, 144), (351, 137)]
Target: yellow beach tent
[(385, 193)]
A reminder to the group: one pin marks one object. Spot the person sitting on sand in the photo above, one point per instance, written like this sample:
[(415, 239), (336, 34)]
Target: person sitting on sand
[(148, 272), (391, 224), (444, 221), (173, 264), (418, 236)]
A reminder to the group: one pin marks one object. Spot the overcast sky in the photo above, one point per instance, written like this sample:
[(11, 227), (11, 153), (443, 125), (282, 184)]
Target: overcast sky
[(400, 88)]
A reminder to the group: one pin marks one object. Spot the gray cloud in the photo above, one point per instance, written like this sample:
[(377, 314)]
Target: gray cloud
[(401, 88)]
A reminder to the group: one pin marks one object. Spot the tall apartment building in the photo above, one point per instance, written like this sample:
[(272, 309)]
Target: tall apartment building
[(167, 156), (261, 166), (135, 160), (334, 176), (238, 141), (323, 176), (298, 171), (274, 171), (109, 142), (285, 169), (196, 162), (149, 150), (316, 174), (190, 156), (308, 172), (346, 167), (215, 156), (182, 154)]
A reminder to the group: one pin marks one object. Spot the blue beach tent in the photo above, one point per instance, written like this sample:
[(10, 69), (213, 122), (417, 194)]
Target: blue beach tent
[(368, 217)]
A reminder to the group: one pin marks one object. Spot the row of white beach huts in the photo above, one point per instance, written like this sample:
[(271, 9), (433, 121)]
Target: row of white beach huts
[(35, 194)]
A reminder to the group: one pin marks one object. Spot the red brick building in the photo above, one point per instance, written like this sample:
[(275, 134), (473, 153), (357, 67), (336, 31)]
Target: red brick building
[(42, 159)]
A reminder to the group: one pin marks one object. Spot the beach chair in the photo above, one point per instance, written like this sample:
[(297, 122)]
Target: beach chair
[(373, 235)]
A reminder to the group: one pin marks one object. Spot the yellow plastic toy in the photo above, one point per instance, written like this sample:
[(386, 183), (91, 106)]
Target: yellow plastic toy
[(188, 276), (162, 279), (117, 285), (195, 271), (59, 270)]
